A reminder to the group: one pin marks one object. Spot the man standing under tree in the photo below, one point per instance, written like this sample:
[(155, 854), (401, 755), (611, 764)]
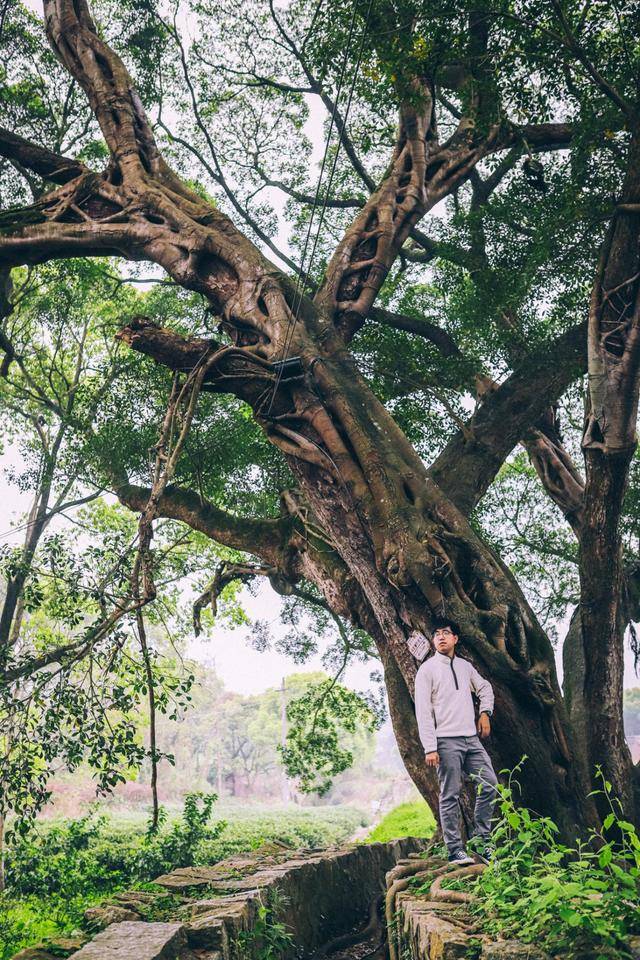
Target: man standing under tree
[(450, 737)]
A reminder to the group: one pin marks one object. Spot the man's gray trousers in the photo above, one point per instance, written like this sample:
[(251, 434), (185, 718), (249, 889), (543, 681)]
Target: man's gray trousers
[(460, 755)]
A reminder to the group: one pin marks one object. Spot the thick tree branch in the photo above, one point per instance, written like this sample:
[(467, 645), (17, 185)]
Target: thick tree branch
[(558, 474), (364, 256), (422, 173), (471, 460), (614, 327), (47, 164), (49, 240), (421, 327), (262, 537), (105, 80)]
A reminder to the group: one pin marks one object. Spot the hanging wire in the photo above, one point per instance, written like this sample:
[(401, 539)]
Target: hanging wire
[(304, 274)]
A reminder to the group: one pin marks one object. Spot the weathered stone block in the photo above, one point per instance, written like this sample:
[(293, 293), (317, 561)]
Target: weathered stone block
[(52, 949), (98, 918), (185, 877), (511, 950), (224, 920), (137, 941), (433, 937), (197, 908), (136, 896)]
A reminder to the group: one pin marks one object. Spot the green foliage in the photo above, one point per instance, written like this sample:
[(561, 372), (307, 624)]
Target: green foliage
[(77, 858), (579, 901), (23, 923), (302, 827), (317, 721), (268, 937), (406, 820)]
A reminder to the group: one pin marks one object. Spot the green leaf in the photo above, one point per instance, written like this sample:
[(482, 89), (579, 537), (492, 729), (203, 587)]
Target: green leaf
[(605, 856)]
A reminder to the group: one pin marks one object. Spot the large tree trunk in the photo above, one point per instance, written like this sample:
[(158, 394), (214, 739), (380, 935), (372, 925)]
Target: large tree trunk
[(609, 443), (413, 555), (603, 625)]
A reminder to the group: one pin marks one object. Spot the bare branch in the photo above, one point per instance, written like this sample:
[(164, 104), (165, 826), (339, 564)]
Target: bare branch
[(421, 326), (330, 105), (225, 574), (569, 39)]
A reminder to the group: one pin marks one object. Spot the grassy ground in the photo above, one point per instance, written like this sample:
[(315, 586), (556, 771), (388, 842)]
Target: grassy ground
[(408, 820)]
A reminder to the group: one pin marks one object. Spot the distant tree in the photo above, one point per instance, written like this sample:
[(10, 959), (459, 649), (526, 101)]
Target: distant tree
[(632, 712)]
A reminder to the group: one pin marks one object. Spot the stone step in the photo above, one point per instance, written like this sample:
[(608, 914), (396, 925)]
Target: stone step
[(135, 940), (214, 924)]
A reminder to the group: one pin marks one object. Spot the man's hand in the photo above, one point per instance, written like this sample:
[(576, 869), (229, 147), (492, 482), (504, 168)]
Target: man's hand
[(433, 758), (484, 726)]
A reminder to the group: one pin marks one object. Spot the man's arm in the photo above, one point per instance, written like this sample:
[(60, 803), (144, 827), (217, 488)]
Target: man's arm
[(483, 689), (424, 714)]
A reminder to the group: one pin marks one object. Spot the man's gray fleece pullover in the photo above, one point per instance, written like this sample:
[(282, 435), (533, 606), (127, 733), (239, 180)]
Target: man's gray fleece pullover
[(444, 706)]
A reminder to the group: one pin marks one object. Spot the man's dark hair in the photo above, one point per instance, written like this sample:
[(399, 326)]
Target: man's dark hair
[(440, 623)]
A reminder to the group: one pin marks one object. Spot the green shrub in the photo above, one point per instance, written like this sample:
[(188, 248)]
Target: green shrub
[(577, 902), (84, 857), (269, 937), (22, 923), (177, 846)]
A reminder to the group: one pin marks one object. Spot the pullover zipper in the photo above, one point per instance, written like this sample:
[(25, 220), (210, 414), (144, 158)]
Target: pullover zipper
[(455, 679)]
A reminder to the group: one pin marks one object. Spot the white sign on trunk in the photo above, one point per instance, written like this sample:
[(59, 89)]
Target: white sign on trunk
[(418, 644)]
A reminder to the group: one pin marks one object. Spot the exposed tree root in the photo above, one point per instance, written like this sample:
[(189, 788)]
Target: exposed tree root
[(373, 926), (455, 896), (400, 877)]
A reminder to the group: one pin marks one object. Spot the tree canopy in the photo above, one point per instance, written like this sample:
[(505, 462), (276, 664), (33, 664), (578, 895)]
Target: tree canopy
[(362, 372)]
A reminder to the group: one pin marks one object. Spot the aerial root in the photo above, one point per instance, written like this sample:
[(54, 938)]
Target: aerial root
[(349, 939), (402, 875), (455, 896), (390, 901)]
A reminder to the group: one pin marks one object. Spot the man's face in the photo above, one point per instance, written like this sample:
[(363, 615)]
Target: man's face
[(444, 640)]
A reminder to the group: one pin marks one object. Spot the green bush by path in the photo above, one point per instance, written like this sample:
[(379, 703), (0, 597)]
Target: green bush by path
[(576, 902), (407, 820)]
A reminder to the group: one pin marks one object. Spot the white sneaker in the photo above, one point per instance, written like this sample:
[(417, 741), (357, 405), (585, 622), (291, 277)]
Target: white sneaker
[(461, 858)]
